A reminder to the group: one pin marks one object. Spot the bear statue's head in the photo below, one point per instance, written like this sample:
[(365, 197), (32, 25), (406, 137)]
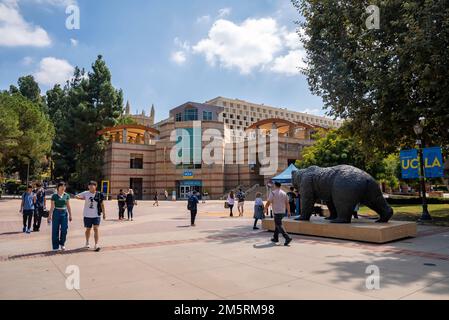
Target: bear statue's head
[(296, 177)]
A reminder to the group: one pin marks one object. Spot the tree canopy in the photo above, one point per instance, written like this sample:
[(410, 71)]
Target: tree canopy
[(382, 80)]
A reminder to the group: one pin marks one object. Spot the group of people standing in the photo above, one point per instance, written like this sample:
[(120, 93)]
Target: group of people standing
[(60, 214), (126, 201), (232, 198)]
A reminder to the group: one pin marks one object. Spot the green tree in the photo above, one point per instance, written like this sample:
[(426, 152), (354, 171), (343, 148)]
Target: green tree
[(29, 133), (381, 80), (337, 147), (29, 88), (86, 105)]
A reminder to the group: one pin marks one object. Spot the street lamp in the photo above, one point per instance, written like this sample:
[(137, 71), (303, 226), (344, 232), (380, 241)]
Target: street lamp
[(419, 128)]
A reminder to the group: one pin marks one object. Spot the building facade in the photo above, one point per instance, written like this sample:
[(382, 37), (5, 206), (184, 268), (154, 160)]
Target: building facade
[(197, 149)]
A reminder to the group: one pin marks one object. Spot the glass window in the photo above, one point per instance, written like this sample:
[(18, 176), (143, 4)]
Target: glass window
[(207, 115), (136, 161), (178, 117), (191, 114)]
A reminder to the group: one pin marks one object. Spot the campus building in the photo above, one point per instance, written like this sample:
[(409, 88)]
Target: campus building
[(196, 148)]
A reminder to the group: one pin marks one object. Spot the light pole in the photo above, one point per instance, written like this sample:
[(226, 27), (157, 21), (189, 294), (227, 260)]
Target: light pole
[(419, 128)]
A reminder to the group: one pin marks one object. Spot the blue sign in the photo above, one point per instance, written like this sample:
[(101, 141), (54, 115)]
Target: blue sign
[(433, 162), (409, 164), (188, 174), (191, 183)]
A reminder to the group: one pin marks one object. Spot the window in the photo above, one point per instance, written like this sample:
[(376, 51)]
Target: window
[(207, 115), (191, 114), (189, 145), (178, 117), (136, 161)]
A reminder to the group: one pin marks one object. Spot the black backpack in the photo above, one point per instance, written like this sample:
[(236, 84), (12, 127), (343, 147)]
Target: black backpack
[(99, 198)]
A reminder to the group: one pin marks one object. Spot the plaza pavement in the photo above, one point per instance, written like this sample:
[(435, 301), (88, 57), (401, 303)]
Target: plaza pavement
[(158, 256)]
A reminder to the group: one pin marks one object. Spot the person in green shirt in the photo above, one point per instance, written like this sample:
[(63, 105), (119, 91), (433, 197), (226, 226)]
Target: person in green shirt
[(60, 215)]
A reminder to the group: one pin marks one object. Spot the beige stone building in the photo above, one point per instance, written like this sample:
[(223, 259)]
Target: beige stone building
[(142, 156)]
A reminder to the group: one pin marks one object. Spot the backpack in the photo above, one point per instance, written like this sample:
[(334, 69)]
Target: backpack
[(190, 204), (241, 196), (99, 198)]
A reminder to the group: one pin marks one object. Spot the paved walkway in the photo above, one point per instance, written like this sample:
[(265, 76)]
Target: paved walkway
[(158, 256)]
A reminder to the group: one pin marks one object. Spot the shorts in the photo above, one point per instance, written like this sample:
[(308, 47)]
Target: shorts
[(89, 222), (241, 204)]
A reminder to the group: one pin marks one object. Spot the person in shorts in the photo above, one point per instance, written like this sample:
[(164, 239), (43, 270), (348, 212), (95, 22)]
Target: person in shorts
[(240, 202), (93, 210)]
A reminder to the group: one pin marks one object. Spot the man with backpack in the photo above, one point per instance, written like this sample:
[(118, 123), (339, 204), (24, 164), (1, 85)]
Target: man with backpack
[(192, 206), (241, 202), (41, 204), (93, 210)]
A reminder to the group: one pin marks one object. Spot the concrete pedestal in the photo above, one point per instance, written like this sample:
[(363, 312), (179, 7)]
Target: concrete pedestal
[(359, 230)]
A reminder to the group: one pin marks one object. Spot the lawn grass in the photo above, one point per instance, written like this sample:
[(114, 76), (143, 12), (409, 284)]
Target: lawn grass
[(439, 213)]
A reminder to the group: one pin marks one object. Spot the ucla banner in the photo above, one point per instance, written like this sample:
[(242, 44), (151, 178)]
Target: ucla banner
[(409, 164), (433, 162)]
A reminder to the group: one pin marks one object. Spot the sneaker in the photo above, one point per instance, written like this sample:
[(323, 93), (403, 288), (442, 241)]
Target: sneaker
[(62, 248), (287, 242), (55, 250), (255, 228), (24, 229), (28, 231), (274, 240), (87, 246), (97, 249)]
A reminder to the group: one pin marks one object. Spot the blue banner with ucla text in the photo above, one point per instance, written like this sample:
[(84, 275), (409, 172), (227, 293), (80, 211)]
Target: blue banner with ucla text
[(409, 164), (433, 162)]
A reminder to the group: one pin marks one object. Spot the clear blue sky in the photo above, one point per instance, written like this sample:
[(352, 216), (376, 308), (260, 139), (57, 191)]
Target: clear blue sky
[(162, 52)]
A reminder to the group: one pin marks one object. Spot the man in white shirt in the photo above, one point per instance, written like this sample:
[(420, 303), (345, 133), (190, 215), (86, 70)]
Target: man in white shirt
[(278, 199), (93, 209)]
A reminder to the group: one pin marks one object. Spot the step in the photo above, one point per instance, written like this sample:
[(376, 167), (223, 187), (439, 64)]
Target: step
[(365, 230)]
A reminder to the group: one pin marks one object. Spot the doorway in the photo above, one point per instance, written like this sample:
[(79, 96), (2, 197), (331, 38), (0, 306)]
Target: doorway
[(137, 185)]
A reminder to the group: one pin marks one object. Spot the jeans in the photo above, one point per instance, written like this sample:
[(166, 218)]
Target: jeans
[(27, 218), (130, 212), (193, 216), (60, 224), (279, 227), (37, 218), (121, 210)]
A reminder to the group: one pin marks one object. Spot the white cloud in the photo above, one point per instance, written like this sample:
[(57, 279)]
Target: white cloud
[(27, 61), (252, 44), (290, 63), (73, 42), (203, 19), (53, 71), (224, 12), (179, 57), (15, 31)]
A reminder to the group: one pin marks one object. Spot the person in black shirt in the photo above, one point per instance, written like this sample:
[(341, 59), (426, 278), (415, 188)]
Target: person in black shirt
[(292, 200), (192, 205), (39, 207), (121, 199), (130, 203)]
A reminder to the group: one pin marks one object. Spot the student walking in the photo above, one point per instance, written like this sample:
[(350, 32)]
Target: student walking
[(27, 207), (59, 216), (259, 212), (240, 202), (130, 203), (156, 199), (121, 200), (41, 205), (93, 210), (292, 200), (230, 201), (192, 205), (278, 199)]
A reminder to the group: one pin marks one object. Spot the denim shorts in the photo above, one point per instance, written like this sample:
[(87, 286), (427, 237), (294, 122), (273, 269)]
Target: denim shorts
[(89, 222)]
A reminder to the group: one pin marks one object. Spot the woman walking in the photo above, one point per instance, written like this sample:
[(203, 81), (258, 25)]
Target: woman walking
[(231, 201), (60, 215), (156, 199), (130, 203), (259, 212)]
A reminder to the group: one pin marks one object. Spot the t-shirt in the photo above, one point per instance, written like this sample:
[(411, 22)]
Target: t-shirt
[(241, 196), (291, 196), (121, 198), (193, 201), (278, 198), (60, 201), (40, 198), (90, 205), (28, 201)]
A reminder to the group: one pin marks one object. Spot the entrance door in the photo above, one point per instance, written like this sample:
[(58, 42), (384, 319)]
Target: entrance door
[(136, 184), (184, 192)]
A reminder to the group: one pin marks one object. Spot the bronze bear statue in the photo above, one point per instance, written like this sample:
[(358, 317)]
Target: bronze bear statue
[(341, 188)]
